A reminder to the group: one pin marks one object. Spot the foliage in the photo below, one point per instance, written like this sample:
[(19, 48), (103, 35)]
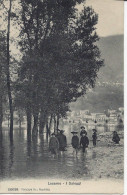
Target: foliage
[(60, 58)]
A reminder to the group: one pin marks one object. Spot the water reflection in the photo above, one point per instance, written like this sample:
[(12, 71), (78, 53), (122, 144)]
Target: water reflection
[(41, 143), (2, 166), (11, 155), (93, 154), (28, 145), (27, 155), (34, 145)]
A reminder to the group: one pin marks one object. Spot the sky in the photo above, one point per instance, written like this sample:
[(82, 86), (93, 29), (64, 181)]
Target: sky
[(111, 16), (110, 21)]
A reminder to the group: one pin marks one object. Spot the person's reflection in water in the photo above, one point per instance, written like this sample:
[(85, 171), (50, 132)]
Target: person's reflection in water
[(83, 155), (11, 155), (75, 166), (84, 165), (75, 160), (80, 167), (94, 154)]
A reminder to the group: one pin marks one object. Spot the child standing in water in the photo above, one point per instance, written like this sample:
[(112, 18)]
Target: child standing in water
[(62, 142), (94, 136), (84, 141), (75, 142), (53, 145)]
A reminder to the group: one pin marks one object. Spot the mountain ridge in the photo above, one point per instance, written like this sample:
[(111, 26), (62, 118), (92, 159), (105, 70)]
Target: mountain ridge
[(106, 94), (112, 49)]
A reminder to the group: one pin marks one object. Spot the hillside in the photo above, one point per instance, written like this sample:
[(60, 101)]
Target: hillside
[(112, 52), (100, 99), (109, 96)]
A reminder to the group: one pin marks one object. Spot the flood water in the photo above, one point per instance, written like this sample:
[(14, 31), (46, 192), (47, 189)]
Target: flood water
[(23, 157)]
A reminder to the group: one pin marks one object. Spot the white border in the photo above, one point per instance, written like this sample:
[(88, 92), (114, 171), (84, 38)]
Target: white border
[(125, 97)]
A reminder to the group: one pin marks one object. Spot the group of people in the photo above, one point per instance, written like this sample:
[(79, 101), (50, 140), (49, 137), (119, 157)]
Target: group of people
[(84, 141), (58, 142)]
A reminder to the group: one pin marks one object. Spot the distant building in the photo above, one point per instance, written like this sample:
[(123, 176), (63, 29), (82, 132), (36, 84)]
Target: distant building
[(73, 113), (112, 111), (83, 113), (93, 116), (87, 117), (98, 116), (113, 117), (76, 120)]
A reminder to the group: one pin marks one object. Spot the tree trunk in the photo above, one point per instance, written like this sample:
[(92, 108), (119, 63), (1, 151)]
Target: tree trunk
[(20, 123), (47, 131), (50, 123), (55, 127), (1, 98), (48, 127), (35, 127), (8, 72), (29, 144), (29, 117), (41, 126), (1, 113), (57, 122), (8, 118), (42, 122)]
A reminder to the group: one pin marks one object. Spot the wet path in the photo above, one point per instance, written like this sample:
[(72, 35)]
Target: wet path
[(25, 158)]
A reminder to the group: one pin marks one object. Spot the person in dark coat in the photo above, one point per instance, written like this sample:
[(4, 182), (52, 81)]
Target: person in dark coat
[(75, 142), (94, 136), (116, 137), (84, 142), (82, 130), (58, 133), (62, 141), (53, 144)]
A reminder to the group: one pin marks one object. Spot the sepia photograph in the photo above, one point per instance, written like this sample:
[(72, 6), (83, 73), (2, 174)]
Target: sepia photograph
[(62, 96)]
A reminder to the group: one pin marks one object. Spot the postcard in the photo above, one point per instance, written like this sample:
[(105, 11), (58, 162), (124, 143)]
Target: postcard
[(62, 96)]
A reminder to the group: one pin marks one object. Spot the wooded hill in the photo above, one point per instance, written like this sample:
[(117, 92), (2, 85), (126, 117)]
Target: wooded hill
[(106, 96)]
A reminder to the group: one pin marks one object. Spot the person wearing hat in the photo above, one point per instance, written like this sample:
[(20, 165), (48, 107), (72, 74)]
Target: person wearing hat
[(53, 145), (75, 142), (115, 138), (94, 136), (83, 130), (58, 133), (84, 141), (62, 141)]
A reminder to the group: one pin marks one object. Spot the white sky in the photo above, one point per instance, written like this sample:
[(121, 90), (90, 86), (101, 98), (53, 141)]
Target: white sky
[(111, 16)]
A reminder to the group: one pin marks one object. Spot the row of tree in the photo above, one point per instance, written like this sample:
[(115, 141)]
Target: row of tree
[(60, 59)]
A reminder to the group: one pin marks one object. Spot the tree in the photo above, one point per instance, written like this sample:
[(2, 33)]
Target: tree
[(8, 69), (36, 17), (60, 56), (2, 74), (74, 58), (7, 15)]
